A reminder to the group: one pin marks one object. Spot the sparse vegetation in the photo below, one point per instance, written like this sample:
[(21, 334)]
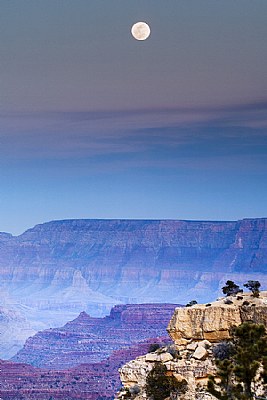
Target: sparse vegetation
[(239, 363), (223, 350), (153, 347), (159, 385), (254, 287), (173, 351), (191, 303), (134, 390), (231, 289)]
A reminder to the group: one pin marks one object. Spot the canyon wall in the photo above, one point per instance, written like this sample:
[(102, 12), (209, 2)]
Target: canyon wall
[(52, 272), (91, 340)]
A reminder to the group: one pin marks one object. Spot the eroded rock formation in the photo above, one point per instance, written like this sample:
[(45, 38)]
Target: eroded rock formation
[(213, 322), (90, 340)]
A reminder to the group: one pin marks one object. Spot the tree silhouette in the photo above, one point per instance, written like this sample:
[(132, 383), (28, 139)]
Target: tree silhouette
[(231, 288), (254, 287)]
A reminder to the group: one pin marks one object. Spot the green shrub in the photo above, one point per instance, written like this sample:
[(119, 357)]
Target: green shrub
[(159, 385), (254, 287), (191, 303), (238, 368), (231, 289), (153, 347)]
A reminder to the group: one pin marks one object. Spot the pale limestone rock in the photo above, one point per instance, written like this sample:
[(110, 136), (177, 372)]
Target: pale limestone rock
[(179, 377), (194, 371), (213, 323), (204, 343), (152, 357), (135, 372), (200, 353), (165, 357), (192, 346)]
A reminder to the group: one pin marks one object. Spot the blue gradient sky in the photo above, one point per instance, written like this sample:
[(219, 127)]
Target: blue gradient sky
[(95, 124)]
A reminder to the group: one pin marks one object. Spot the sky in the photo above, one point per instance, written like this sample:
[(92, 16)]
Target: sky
[(95, 124)]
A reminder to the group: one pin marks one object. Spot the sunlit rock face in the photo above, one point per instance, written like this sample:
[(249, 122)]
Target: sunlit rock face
[(55, 270), (213, 322)]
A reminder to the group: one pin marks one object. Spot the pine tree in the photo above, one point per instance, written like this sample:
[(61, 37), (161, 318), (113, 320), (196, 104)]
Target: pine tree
[(160, 385), (254, 287), (237, 372), (231, 288)]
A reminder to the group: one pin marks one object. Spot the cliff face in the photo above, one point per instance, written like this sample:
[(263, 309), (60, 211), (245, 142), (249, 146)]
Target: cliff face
[(195, 331), (56, 269), (213, 322), (90, 340), (105, 256)]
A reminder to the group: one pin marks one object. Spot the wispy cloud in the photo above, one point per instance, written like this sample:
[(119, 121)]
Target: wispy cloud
[(137, 135)]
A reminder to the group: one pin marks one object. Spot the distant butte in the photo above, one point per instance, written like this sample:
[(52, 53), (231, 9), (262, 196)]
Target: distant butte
[(91, 340)]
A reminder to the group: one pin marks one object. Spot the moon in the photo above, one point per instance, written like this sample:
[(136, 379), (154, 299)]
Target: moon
[(140, 30)]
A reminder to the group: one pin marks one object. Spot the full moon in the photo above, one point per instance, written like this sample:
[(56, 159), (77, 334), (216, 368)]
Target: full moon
[(140, 31)]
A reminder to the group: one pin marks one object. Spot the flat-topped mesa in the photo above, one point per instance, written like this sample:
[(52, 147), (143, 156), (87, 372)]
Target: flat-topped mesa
[(214, 321)]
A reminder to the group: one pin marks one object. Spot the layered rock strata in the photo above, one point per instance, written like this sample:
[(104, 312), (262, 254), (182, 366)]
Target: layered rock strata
[(89, 340), (97, 381), (54, 270), (214, 321), (103, 259), (195, 331)]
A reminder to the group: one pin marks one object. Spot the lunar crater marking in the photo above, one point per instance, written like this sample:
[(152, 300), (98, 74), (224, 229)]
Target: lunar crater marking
[(140, 30)]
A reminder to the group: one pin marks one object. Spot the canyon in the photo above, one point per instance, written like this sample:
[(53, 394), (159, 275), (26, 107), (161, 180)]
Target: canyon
[(97, 381), (90, 340), (81, 359), (55, 270)]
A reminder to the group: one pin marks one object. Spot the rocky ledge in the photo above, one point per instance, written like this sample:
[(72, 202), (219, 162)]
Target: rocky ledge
[(195, 331), (213, 321)]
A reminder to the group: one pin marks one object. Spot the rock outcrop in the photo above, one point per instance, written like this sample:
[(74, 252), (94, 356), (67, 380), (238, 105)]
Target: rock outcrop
[(213, 321), (195, 331)]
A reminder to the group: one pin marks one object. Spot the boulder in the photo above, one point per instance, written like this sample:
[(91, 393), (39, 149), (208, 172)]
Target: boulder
[(200, 353)]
